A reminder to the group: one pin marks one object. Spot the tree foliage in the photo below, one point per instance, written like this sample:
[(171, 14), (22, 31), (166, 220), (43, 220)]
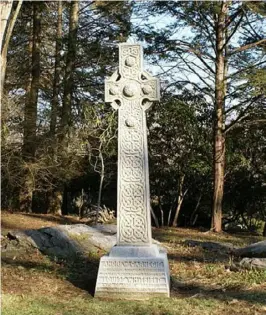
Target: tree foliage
[(206, 137)]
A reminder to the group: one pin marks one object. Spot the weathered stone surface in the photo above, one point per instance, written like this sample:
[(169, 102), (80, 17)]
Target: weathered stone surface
[(135, 251), (254, 250), (107, 228), (253, 263), (131, 87), (134, 269), (133, 277), (64, 241)]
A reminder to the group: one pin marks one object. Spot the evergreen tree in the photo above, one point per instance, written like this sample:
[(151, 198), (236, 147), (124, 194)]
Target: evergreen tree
[(213, 56)]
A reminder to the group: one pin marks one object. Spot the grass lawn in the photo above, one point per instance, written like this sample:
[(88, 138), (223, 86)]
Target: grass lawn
[(33, 284)]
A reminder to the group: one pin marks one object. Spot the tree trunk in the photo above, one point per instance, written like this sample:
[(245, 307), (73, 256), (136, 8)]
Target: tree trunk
[(219, 138), (100, 188), (70, 67), (56, 82), (264, 230), (56, 201), (5, 10), (30, 115), (180, 199), (154, 218), (161, 210), (6, 41), (170, 212), (193, 215), (56, 195)]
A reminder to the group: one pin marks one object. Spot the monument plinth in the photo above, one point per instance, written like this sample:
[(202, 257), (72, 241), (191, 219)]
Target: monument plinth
[(135, 268)]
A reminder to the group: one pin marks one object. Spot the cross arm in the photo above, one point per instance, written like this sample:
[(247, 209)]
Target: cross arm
[(112, 90), (150, 89)]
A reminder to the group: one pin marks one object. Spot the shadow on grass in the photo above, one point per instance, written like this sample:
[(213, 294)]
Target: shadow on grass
[(26, 264), (210, 258), (20, 221), (201, 291), (5, 226), (82, 273), (178, 235), (80, 269), (76, 260)]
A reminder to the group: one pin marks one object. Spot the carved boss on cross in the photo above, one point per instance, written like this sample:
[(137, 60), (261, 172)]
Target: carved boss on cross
[(130, 82)]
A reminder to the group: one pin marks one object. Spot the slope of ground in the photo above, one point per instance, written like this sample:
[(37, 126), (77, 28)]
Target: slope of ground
[(34, 284)]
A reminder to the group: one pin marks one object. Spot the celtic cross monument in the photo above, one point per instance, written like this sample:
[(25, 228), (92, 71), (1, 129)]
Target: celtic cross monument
[(134, 268)]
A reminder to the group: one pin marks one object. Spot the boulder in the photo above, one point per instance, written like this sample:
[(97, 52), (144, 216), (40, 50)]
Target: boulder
[(64, 241), (253, 263), (254, 250)]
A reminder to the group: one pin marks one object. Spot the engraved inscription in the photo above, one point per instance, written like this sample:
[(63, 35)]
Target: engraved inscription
[(132, 275), (125, 279), (133, 264)]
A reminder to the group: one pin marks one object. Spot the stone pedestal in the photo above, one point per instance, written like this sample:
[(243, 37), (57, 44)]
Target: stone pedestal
[(133, 272)]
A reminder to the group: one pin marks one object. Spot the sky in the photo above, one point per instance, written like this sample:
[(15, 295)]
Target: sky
[(177, 73)]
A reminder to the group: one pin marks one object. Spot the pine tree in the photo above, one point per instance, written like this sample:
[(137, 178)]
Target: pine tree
[(215, 56)]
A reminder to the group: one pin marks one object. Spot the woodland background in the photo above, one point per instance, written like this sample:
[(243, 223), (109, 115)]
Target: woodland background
[(206, 136)]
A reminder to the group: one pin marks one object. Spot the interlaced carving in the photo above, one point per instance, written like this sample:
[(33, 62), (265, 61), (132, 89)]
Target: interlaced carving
[(130, 60), (134, 90)]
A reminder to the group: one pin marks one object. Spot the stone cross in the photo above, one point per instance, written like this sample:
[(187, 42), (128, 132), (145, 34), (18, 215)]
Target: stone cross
[(132, 91)]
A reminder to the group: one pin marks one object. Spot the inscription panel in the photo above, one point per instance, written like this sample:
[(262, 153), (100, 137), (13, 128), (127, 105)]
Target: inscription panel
[(132, 276)]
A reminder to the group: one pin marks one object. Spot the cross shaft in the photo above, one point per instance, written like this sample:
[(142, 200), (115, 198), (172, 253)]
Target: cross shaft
[(131, 91)]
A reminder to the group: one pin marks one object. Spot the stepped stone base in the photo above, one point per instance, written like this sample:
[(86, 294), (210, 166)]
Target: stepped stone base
[(133, 272)]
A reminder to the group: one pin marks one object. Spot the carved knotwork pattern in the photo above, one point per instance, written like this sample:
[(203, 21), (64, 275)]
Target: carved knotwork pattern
[(132, 207), (133, 229), (132, 91), (130, 66)]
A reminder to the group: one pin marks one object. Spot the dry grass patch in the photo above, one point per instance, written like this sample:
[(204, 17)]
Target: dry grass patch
[(23, 221), (34, 284)]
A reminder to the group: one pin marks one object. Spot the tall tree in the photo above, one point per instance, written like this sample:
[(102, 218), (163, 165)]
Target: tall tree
[(30, 114), (56, 80), (213, 55), (9, 30), (55, 195), (61, 157), (70, 67), (218, 128), (5, 10)]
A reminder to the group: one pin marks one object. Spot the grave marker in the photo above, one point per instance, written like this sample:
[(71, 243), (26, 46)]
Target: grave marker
[(135, 268)]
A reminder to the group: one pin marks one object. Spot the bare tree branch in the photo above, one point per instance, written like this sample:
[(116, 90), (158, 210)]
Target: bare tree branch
[(248, 46)]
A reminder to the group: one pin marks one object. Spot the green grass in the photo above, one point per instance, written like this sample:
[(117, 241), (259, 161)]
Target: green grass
[(24, 305), (201, 285)]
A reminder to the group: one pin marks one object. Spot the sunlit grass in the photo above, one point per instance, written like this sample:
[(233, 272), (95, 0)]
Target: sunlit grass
[(25, 305), (200, 282)]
